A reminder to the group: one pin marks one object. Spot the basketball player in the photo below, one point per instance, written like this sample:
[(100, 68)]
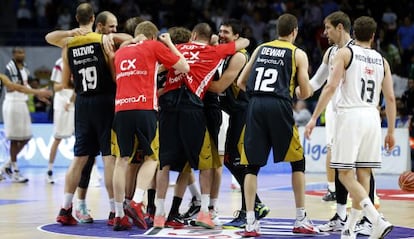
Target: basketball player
[(360, 73), (268, 79)]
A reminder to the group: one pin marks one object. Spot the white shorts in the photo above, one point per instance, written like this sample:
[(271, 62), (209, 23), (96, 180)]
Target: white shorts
[(357, 139), (329, 125), (17, 121), (63, 123)]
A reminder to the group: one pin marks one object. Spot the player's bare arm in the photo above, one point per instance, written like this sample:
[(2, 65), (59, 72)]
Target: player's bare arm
[(182, 65), (390, 107), (340, 61), (242, 43), (229, 76), (302, 66), (60, 37), (244, 75)]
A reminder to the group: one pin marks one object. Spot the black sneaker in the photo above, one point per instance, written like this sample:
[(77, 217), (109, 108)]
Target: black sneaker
[(194, 208), (239, 220), (329, 196)]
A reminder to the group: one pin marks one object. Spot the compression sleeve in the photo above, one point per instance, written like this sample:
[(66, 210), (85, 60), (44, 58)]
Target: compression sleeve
[(320, 77)]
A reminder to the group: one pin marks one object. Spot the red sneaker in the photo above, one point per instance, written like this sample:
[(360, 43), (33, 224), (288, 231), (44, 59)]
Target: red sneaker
[(159, 221), (175, 222), (121, 224), (204, 220), (134, 211), (111, 218), (251, 230), (65, 217)]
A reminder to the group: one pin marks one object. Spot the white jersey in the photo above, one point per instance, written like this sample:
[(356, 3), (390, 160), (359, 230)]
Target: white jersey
[(61, 97), (331, 55), (362, 83)]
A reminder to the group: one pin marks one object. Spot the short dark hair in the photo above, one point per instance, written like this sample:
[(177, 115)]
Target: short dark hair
[(339, 17), (179, 35), (131, 24), (203, 31), (235, 25), (84, 13), (148, 29), (287, 24), (364, 28)]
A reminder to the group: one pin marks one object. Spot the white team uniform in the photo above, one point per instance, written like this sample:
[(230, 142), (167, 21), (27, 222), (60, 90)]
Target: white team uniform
[(63, 121), (357, 138), (16, 115), (331, 107)]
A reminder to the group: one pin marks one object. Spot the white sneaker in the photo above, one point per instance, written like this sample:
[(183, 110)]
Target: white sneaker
[(49, 177), (215, 217), (363, 227), (380, 228), (304, 226), (18, 178), (251, 230), (336, 224), (1, 176), (348, 234)]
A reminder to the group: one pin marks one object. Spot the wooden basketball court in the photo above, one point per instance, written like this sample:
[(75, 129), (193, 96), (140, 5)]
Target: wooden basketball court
[(25, 208)]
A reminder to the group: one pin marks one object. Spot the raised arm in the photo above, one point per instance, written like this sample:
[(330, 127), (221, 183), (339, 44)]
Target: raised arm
[(182, 65), (234, 68), (242, 43), (60, 37), (244, 75)]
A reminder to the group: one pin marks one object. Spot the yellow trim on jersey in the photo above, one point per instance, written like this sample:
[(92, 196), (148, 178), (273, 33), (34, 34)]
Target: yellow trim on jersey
[(295, 151), (89, 38), (205, 158)]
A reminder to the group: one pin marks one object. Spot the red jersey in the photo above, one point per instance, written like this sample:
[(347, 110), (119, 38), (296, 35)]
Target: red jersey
[(136, 74), (204, 60)]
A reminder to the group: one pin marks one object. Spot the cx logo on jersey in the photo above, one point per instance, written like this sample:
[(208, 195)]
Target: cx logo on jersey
[(128, 64), (191, 55)]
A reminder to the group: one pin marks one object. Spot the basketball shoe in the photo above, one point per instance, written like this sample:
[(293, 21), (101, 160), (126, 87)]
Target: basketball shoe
[(49, 177), (134, 211), (304, 226), (363, 227), (380, 228), (111, 219), (329, 196), (239, 220), (121, 224), (65, 217), (159, 221), (194, 208), (214, 216), (251, 230), (175, 222), (260, 210), (82, 214), (17, 177), (334, 225), (348, 234), (204, 220)]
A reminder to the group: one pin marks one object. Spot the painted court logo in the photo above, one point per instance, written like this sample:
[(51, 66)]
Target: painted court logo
[(270, 228)]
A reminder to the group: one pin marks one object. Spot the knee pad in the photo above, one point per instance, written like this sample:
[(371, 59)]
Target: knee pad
[(252, 169), (298, 166)]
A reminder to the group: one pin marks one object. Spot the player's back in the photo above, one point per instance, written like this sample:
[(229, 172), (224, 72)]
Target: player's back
[(361, 86), (89, 65), (274, 70)]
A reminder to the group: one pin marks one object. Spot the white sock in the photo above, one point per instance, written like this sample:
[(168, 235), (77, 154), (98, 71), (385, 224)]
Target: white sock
[(194, 190), (14, 166), (139, 195), (300, 213), (80, 203), (50, 167), (119, 209), (213, 202), (67, 201), (341, 210), (354, 216), (205, 200), (331, 186), (112, 204), (159, 207), (250, 217), (370, 212)]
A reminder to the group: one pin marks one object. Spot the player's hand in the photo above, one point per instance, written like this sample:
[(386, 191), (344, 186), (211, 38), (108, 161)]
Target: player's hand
[(141, 37), (44, 95), (309, 128), (165, 38), (389, 142), (214, 40), (108, 43)]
